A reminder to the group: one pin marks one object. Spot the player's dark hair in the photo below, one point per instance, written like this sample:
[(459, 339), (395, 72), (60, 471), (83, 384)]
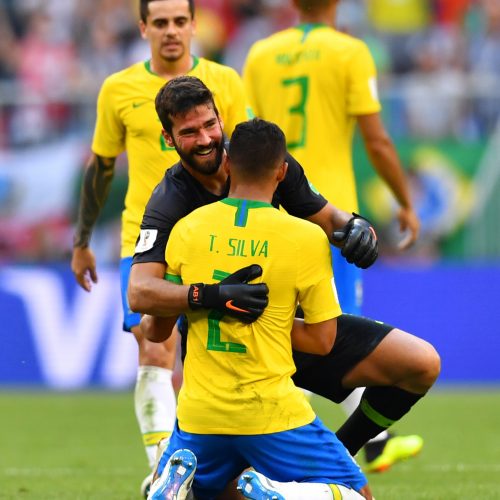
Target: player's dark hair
[(144, 8), (311, 6), (256, 148), (180, 95)]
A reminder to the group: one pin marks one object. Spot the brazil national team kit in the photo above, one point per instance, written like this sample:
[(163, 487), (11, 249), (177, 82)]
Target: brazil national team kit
[(179, 193)]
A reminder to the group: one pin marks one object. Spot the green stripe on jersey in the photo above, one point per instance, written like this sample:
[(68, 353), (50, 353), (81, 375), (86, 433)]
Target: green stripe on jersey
[(243, 206), (173, 278), (306, 28)]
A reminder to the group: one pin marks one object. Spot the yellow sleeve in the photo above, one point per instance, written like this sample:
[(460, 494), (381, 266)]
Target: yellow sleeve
[(109, 133), (362, 95), (316, 286), (173, 252), (237, 108)]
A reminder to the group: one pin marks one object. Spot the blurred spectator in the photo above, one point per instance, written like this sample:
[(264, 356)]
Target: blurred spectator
[(435, 91), (484, 61), (256, 19), (400, 24), (47, 69), (438, 64)]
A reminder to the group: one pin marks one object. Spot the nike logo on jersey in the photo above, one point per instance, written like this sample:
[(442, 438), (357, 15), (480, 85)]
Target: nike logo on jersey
[(230, 305), (139, 104)]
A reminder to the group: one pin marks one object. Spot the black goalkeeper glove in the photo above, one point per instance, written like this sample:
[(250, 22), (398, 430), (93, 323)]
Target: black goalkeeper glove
[(233, 295), (360, 246)]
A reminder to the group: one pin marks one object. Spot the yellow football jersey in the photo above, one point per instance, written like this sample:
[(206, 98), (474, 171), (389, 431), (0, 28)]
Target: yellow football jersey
[(127, 120), (313, 81), (237, 377)]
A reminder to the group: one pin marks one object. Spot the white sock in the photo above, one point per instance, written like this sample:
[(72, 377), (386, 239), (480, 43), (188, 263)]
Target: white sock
[(352, 402), (307, 491), (155, 406)]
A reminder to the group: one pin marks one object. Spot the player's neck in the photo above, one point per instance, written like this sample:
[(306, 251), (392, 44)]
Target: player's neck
[(215, 183), (252, 192), (171, 69), (325, 16)]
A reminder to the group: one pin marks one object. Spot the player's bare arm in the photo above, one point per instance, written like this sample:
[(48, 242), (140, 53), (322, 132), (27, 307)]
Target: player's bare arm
[(314, 338), (150, 293), (384, 158), (95, 188)]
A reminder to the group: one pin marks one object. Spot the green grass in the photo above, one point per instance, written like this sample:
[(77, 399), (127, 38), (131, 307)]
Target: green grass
[(87, 446)]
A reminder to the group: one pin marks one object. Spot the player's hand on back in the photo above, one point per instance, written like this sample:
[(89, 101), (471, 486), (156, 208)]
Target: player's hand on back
[(234, 295), (358, 241), (84, 267)]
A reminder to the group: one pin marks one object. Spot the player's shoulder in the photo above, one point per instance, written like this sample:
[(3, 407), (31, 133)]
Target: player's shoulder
[(271, 42), (208, 69), (119, 77), (171, 194), (301, 228), (347, 42)]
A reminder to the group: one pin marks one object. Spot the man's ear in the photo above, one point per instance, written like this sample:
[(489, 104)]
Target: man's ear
[(168, 138), (142, 29), (282, 171)]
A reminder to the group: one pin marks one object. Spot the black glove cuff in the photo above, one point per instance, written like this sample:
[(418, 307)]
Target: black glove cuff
[(195, 296), (357, 216)]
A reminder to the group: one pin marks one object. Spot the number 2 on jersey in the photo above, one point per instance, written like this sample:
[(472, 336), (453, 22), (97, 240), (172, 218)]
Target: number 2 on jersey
[(302, 82), (214, 342)]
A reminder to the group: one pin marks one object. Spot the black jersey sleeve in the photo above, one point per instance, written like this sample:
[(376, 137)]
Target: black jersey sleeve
[(168, 204), (297, 196)]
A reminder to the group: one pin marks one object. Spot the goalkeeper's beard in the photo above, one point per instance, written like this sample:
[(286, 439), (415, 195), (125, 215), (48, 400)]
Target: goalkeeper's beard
[(204, 167)]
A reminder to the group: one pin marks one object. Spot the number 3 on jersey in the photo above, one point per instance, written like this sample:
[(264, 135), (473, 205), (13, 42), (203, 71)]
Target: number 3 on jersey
[(300, 83), (214, 342)]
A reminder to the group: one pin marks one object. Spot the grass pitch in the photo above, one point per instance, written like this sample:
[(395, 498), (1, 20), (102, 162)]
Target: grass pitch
[(87, 446)]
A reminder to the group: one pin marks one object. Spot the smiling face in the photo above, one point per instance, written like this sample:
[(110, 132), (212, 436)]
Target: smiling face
[(169, 28), (198, 138)]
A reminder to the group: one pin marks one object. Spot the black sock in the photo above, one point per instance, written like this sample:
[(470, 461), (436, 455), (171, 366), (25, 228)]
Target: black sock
[(380, 407)]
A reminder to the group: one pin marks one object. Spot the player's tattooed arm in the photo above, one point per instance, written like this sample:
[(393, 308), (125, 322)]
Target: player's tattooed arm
[(95, 189)]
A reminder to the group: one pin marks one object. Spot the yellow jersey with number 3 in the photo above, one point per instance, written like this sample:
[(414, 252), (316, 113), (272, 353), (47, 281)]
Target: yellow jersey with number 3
[(313, 81), (127, 121), (237, 377)]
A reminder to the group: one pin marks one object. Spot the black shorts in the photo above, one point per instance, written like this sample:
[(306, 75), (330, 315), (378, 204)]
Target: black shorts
[(356, 338)]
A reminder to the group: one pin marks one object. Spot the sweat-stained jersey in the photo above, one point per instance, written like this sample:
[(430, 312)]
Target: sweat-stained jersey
[(313, 81), (127, 120), (237, 377)]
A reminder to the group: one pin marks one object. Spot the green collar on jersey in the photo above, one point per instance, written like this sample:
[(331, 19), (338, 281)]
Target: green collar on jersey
[(243, 206), (147, 65), (306, 28)]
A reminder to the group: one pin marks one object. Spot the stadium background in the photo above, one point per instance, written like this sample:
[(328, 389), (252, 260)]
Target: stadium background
[(439, 81)]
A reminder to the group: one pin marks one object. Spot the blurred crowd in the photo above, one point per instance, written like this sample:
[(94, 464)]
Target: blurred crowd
[(438, 60), (438, 63)]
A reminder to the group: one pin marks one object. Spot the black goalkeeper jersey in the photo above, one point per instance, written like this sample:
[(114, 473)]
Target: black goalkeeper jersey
[(179, 193)]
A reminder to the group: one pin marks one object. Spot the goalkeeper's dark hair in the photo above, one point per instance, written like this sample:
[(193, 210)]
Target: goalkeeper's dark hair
[(144, 8), (256, 148), (180, 95)]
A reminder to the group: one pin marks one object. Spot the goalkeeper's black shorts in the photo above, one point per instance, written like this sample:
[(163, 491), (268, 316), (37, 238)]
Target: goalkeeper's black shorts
[(356, 338)]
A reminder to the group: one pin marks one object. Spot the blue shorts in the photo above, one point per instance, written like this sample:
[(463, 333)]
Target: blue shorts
[(311, 453), (348, 282), (130, 318)]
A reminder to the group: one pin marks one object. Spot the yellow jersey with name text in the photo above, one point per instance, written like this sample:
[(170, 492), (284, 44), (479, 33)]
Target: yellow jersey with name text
[(237, 377)]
